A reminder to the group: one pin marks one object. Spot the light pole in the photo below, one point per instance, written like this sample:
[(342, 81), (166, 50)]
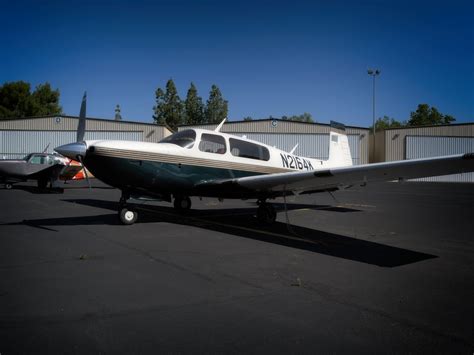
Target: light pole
[(374, 73)]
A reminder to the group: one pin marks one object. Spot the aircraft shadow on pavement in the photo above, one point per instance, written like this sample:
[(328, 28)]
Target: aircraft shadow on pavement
[(37, 190), (241, 222)]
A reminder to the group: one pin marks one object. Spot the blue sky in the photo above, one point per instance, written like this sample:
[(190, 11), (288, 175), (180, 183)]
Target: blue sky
[(267, 57)]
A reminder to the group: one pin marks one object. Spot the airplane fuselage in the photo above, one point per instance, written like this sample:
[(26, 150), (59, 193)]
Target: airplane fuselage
[(168, 167)]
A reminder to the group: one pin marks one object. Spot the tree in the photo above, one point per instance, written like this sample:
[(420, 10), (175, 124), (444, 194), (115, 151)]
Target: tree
[(386, 122), (16, 100), (248, 118), (216, 108), (426, 115), (159, 108), (305, 117), (169, 108), (193, 107)]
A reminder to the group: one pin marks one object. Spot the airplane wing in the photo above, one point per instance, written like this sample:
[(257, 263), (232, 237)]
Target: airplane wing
[(344, 177)]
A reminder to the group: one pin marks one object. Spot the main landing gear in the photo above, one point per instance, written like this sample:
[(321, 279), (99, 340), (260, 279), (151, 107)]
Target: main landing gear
[(127, 215), (265, 212), (182, 203)]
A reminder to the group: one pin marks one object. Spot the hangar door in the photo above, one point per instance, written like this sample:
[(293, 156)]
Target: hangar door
[(17, 144), (427, 147), (309, 145)]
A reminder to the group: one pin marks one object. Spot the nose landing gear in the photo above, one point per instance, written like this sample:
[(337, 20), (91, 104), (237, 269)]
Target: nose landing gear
[(126, 214)]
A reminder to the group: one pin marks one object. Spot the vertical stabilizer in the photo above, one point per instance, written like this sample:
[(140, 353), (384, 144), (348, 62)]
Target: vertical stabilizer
[(339, 150)]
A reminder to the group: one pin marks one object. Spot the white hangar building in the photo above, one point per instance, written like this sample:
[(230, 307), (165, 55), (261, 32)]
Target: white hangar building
[(425, 142), (19, 137)]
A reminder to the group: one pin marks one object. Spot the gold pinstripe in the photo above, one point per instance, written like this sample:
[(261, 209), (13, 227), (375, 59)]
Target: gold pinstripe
[(173, 159)]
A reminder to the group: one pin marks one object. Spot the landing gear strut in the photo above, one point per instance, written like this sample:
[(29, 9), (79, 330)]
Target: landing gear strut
[(265, 212), (126, 214), (182, 203)]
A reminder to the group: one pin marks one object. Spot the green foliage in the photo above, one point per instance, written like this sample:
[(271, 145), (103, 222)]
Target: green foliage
[(248, 118), (17, 101), (426, 115), (386, 122), (169, 108), (193, 107), (216, 108), (305, 117)]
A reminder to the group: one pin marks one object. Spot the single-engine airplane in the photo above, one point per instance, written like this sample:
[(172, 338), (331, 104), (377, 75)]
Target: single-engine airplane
[(43, 167), (197, 162)]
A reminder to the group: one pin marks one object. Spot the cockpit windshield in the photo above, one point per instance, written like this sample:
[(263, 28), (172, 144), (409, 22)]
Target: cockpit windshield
[(184, 139)]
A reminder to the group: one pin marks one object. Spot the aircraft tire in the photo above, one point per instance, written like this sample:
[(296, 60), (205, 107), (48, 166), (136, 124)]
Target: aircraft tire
[(127, 216), (42, 183), (266, 213), (182, 203), (8, 186)]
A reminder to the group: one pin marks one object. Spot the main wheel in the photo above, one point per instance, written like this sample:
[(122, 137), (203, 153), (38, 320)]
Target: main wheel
[(266, 213), (8, 186), (42, 183), (127, 216), (182, 203)]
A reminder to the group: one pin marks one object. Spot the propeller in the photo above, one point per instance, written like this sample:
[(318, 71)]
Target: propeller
[(77, 150), (81, 130), (85, 171), (81, 127)]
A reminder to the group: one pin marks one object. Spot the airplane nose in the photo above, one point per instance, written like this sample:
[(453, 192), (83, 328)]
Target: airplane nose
[(72, 150)]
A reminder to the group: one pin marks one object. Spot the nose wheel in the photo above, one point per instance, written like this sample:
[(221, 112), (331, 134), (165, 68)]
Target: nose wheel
[(126, 214)]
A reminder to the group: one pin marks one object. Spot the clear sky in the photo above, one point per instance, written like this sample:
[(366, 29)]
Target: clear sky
[(267, 57)]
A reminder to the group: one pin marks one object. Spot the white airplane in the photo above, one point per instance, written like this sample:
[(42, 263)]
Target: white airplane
[(197, 162)]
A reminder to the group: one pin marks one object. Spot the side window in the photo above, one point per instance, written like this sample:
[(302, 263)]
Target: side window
[(211, 143), (249, 150), (36, 159)]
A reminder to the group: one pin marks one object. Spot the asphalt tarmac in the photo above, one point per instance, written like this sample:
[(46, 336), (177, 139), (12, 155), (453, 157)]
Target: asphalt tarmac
[(382, 269)]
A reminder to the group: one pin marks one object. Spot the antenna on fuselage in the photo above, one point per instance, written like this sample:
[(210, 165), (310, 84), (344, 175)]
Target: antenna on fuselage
[(294, 148), (218, 128)]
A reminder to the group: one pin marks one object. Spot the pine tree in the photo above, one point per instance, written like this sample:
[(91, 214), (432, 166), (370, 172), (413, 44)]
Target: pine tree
[(216, 108), (159, 108), (169, 108), (193, 107)]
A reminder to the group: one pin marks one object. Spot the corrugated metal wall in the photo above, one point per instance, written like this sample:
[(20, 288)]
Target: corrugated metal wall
[(151, 132), (392, 146), (427, 147), (17, 144), (19, 137), (313, 138)]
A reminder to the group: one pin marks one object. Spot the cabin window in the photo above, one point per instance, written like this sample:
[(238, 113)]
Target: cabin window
[(39, 159), (184, 139), (243, 149), (212, 143)]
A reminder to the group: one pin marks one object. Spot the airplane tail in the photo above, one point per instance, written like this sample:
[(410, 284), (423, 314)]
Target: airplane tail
[(339, 150)]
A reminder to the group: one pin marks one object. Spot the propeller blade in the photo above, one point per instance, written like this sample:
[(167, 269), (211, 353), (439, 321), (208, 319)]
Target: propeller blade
[(85, 171), (81, 127)]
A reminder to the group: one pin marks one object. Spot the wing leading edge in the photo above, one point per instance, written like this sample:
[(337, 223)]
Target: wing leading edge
[(343, 177)]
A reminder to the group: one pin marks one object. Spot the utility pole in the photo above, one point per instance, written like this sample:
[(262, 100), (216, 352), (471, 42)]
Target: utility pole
[(373, 73)]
